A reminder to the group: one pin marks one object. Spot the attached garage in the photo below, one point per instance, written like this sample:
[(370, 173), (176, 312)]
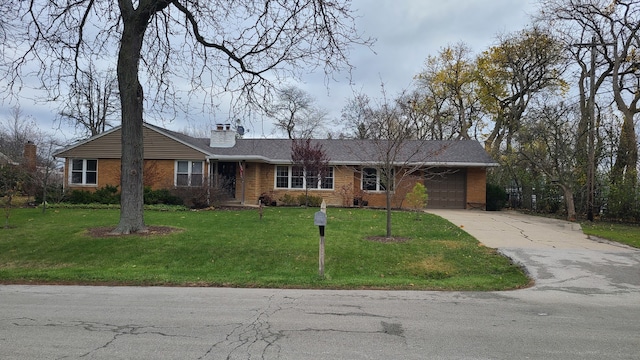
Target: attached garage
[(446, 188)]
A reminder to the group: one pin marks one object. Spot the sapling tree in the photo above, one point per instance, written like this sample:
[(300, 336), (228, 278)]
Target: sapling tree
[(393, 153), (312, 160), (417, 198)]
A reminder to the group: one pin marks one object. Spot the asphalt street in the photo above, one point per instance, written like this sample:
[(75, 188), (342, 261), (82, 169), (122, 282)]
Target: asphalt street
[(585, 304)]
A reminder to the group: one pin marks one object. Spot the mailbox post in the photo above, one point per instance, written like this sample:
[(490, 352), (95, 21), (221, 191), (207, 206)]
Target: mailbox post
[(320, 220)]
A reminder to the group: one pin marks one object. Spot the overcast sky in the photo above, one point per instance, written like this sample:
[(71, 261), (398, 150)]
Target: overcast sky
[(407, 31)]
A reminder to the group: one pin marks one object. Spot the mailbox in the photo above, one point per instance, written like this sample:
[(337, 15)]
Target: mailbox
[(320, 220)]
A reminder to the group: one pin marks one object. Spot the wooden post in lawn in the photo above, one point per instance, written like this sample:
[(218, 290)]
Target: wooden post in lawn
[(320, 219)]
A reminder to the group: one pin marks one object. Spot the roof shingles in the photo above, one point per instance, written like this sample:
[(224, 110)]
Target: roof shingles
[(461, 153)]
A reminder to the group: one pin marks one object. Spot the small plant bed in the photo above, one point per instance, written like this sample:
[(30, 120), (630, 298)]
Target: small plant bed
[(236, 248), (384, 239), (106, 231)]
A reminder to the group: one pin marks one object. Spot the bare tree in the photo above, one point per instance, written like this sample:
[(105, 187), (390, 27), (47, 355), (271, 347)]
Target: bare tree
[(356, 117), (296, 114), (547, 143), (604, 37), (15, 131), (395, 154), (92, 104), (240, 46)]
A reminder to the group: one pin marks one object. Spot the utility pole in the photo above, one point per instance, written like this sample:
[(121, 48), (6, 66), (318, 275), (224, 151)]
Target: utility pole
[(592, 114)]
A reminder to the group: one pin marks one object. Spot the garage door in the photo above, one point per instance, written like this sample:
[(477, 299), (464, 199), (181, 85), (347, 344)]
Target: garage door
[(446, 188)]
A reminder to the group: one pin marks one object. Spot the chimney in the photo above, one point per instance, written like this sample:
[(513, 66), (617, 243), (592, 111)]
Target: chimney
[(30, 158), (223, 136)]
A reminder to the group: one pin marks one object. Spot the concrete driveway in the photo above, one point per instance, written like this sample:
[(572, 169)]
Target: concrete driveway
[(556, 253)]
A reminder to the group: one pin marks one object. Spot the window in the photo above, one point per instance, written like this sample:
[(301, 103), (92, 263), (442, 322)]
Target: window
[(297, 177), (282, 177), (292, 177), (374, 180), (197, 168), (84, 172), (326, 182), (189, 173), (370, 179)]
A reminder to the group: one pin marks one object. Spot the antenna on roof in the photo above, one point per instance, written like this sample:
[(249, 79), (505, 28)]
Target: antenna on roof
[(239, 129)]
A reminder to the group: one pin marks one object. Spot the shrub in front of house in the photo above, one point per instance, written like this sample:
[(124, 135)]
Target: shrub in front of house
[(160, 196), (105, 195), (54, 192), (110, 195), (496, 197), (201, 197), (288, 200), (300, 200), (309, 200), (267, 199)]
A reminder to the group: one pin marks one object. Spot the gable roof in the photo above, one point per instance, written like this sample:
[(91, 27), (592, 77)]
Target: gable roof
[(460, 153)]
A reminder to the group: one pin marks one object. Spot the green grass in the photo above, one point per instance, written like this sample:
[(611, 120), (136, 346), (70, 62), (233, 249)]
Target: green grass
[(236, 248), (625, 234)]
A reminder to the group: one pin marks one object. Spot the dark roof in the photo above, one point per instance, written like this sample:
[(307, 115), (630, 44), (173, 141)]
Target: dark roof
[(460, 153), (352, 151)]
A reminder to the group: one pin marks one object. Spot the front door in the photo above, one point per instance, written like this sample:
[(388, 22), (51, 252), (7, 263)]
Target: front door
[(224, 177)]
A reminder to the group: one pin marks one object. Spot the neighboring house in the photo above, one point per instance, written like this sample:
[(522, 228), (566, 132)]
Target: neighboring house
[(5, 160), (454, 172)]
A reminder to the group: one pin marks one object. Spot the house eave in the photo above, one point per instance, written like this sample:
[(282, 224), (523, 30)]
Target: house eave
[(264, 159)]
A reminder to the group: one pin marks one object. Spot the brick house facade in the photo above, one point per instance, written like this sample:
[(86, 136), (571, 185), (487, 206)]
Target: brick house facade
[(453, 171)]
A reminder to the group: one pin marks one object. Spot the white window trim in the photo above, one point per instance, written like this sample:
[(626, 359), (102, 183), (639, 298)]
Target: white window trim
[(378, 182), (84, 173), (189, 174), (304, 178)]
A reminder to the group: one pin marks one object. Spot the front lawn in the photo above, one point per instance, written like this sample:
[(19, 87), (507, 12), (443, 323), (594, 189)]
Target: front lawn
[(236, 248), (625, 234)]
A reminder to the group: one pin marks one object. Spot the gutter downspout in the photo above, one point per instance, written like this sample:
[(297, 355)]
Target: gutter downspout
[(209, 182), (242, 166)]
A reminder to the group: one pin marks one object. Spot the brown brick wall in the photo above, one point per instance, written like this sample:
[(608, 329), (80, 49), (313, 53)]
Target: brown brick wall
[(158, 174), (260, 179)]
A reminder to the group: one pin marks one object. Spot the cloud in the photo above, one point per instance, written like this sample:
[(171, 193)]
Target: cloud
[(407, 31)]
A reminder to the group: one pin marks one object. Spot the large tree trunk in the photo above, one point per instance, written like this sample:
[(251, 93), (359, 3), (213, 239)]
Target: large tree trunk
[(131, 98), (569, 202), (624, 170)]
